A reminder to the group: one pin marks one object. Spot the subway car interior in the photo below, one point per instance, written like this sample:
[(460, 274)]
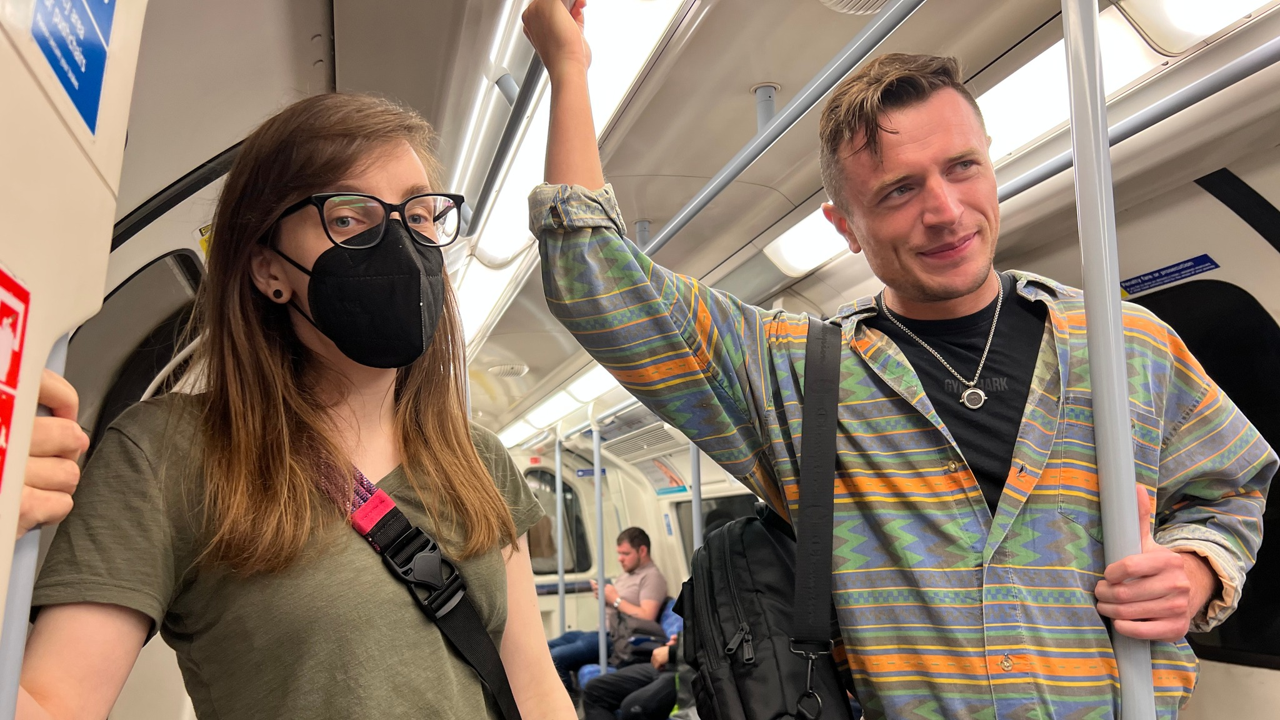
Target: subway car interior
[(678, 89)]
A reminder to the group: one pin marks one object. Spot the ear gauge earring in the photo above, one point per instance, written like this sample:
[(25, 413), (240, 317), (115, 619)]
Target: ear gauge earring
[(277, 293)]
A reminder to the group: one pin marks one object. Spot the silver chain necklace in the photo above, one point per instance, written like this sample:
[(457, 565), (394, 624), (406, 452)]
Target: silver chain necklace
[(973, 397)]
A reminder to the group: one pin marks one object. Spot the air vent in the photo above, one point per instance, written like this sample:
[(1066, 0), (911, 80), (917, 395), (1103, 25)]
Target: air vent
[(509, 371), (856, 7), (652, 441)]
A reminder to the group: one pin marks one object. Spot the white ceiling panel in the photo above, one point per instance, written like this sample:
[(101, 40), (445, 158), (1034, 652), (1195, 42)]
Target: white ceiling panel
[(210, 72)]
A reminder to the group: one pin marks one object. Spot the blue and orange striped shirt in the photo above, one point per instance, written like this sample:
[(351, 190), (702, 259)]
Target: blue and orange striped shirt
[(946, 611)]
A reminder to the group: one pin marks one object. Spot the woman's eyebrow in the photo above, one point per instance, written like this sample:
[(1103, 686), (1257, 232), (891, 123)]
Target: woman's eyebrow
[(419, 189)]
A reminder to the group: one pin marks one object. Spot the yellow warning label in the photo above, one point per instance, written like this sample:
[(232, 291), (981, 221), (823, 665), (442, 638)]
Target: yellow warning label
[(202, 235)]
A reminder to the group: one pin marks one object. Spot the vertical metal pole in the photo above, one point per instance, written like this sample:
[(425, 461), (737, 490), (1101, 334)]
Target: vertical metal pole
[(642, 232), (765, 99), (1095, 213), (22, 578), (890, 18), (560, 525), (695, 484), (600, 579)]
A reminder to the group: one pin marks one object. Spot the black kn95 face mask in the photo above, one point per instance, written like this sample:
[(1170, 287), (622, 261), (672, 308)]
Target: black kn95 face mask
[(380, 305)]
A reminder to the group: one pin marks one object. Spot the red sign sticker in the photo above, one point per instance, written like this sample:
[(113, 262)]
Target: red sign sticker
[(14, 300)]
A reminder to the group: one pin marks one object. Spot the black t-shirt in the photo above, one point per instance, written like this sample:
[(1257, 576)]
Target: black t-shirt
[(986, 436)]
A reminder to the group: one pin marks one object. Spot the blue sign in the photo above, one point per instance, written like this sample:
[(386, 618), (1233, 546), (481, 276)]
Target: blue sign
[(103, 13), (1171, 274), (74, 36), (589, 472)]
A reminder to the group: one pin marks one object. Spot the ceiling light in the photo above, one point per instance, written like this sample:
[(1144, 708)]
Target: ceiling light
[(622, 34), (808, 244), (1178, 25), (516, 433), (592, 385), (552, 409), (1034, 99)]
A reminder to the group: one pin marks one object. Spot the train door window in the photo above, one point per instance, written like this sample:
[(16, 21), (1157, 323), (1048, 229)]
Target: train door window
[(1238, 343), (716, 512), (114, 356), (542, 536)]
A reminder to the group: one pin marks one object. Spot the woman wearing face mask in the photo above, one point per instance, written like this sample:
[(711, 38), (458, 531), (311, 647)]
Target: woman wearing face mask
[(244, 523)]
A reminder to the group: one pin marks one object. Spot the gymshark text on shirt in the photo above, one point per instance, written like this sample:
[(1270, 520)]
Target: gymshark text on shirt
[(990, 385)]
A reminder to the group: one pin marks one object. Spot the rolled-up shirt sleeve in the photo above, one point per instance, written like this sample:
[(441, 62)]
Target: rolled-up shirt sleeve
[(1215, 471)]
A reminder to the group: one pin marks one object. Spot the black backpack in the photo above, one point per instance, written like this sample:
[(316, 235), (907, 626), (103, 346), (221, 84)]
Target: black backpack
[(759, 624)]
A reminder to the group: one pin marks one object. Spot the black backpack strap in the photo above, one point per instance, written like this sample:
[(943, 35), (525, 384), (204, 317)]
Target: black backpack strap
[(811, 633), (440, 592)]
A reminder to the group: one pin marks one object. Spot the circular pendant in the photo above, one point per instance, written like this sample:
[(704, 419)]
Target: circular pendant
[(973, 398)]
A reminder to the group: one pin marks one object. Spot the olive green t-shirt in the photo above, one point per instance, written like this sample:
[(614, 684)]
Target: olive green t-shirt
[(333, 636)]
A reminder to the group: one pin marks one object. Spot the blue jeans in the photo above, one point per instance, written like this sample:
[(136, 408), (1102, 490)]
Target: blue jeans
[(572, 650)]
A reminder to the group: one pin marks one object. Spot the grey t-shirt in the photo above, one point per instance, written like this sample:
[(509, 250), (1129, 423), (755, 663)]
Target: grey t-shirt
[(333, 636), (645, 583)]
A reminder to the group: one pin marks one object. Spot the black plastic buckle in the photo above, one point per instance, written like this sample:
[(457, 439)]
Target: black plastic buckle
[(810, 696), (435, 584)]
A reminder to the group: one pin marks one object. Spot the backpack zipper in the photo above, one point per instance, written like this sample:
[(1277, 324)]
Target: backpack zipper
[(707, 611), (743, 636)]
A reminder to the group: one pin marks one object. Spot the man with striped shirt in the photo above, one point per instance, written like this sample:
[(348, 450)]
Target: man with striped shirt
[(968, 572)]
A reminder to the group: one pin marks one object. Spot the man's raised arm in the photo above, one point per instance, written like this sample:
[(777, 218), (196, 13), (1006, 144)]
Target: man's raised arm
[(697, 357)]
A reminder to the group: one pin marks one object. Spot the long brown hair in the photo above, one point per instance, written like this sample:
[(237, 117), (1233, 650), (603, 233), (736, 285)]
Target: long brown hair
[(273, 473)]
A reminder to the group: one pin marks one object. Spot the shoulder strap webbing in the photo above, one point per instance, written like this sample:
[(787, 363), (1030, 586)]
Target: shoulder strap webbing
[(813, 524), (438, 589)]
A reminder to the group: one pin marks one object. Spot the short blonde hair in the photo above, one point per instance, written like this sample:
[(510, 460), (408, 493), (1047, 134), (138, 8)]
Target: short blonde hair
[(858, 104)]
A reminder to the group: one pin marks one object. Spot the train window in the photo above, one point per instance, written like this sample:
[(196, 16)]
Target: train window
[(718, 511), (542, 536), (116, 354), (1238, 343)]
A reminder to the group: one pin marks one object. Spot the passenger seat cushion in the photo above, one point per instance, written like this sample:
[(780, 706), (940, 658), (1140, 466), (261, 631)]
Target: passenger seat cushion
[(672, 623), (590, 672)]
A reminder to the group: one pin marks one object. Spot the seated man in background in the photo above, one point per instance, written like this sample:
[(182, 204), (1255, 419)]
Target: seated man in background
[(639, 592), (644, 691)]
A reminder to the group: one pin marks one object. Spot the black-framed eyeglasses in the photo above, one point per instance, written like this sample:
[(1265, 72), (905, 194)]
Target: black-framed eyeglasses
[(358, 221)]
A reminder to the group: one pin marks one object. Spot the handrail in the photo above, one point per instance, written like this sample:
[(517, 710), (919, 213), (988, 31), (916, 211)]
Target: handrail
[(602, 642), (507, 143), (1224, 77), (22, 578), (180, 357), (615, 410), (695, 487), (167, 199), (560, 528), (1096, 216), (890, 18)]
